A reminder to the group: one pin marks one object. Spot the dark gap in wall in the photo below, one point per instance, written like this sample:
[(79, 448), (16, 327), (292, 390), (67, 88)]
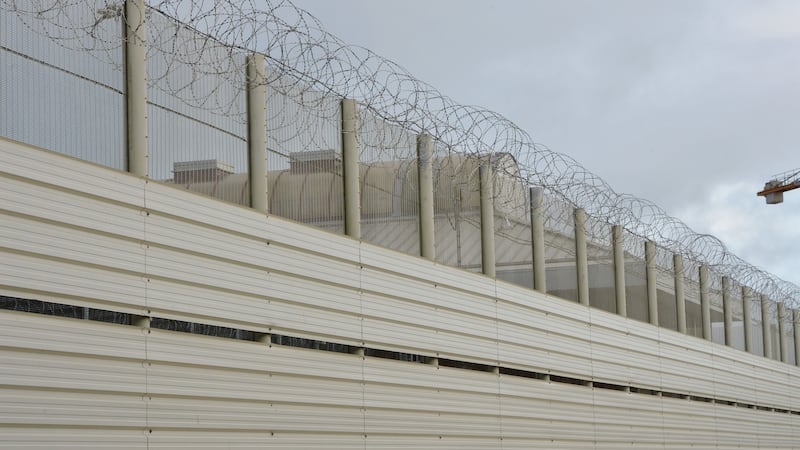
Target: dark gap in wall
[(292, 341), (465, 365), (611, 386), (63, 310), (523, 373), (99, 315), (673, 395), (568, 380), (398, 356), (645, 391), (202, 329)]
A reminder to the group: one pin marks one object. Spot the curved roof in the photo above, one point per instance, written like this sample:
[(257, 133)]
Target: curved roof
[(390, 188)]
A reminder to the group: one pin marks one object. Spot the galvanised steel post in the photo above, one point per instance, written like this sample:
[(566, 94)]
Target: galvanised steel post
[(427, 242), (581, 259), (705, 303), (747, 318), (680, 296), (619, 269), (651, 274), (537, 239), (487, 218), (796, 330), (784, 356), (350, 169), (257, 132), (727, 311), (136, 87), (766, 326)]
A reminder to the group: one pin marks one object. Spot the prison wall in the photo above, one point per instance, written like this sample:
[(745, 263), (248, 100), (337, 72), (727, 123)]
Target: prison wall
[(334, 342)]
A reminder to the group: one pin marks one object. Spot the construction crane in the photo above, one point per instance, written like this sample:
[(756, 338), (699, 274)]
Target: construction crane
[(778, 184)]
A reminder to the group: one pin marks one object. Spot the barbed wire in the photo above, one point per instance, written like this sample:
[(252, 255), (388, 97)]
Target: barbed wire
[(206, 41)]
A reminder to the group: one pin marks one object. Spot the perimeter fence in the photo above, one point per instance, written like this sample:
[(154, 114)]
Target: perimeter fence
[(65, 82)]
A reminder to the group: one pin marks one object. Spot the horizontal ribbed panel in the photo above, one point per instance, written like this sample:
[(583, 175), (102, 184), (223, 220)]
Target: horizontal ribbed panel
[(181, 389), (80, 234)]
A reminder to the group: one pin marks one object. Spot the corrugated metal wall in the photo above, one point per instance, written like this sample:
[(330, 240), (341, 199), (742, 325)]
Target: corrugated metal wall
[(515, 367)]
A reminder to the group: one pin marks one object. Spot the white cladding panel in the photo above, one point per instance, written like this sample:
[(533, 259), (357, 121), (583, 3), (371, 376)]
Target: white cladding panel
[(80, 234), (198, 391)]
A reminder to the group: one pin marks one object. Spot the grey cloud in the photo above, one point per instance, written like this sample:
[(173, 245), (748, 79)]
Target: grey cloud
[(664, 100)]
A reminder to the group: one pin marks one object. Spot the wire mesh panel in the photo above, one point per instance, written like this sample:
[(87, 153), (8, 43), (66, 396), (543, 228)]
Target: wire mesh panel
[(665, 280), (717, 315), (510, 192), (300, 119), (512, 231), (456, 185), (512, 225), (196, 117), (389, 184), (602, 293), (559, 248), (72, 51), (635, 277), (304, 141), (61, 89)]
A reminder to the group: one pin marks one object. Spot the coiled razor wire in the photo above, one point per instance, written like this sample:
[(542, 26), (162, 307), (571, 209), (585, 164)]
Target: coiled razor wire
[(304, 58)]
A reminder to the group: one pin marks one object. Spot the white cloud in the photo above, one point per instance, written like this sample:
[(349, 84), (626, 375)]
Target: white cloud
[(676, 102)]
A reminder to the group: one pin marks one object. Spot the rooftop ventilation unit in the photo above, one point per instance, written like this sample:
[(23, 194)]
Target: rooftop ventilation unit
[(315, 161), (190, 172)]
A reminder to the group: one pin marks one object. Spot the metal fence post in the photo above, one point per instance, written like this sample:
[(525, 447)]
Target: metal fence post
[(781, 336), (796, 330), (680, 296), (727, 311), (427, 242), (257, 132), (487, 218), (537, 239), (651, 274), (136, 87), (350, 169), (747, 319), (705, 303), (766, 332), (581, 259), (619, 269)]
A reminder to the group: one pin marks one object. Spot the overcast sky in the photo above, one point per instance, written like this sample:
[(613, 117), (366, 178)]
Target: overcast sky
[(691, 104)]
